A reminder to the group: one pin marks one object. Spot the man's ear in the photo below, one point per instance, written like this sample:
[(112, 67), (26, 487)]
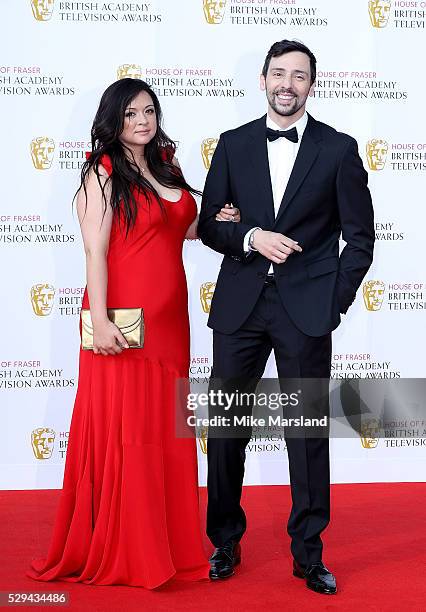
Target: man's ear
[(312, 89), (262, 82)]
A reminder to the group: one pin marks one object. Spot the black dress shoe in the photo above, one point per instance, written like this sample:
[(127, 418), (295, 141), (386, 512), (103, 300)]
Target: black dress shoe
[(224, 559), (317, 576)]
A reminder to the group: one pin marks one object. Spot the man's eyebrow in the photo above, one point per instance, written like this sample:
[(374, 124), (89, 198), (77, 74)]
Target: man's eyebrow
[(294, 71)]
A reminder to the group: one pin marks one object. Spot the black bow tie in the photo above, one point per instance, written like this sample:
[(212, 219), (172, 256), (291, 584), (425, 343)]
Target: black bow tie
[(291, 135)]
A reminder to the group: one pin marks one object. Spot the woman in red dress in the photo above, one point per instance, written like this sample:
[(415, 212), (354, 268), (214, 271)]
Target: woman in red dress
[(128, 512)]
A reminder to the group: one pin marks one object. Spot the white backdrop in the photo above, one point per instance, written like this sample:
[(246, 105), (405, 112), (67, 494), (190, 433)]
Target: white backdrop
[(203, 59)]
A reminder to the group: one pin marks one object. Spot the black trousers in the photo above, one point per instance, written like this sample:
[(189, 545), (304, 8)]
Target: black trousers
[(244, 354)]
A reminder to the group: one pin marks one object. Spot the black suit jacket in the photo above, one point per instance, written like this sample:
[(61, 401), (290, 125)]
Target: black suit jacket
[(326, 196)]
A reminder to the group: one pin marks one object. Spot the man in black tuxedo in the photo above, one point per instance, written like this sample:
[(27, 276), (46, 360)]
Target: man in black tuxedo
[(299, 185)]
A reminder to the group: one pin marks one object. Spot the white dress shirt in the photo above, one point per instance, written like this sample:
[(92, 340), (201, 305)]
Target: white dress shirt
[(281, 155)]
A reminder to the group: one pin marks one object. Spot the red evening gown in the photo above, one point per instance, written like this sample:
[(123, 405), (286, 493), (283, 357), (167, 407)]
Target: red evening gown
[(128, 512)]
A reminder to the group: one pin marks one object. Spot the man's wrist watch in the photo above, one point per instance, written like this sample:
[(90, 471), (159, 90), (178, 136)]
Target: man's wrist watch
[(251, 239)]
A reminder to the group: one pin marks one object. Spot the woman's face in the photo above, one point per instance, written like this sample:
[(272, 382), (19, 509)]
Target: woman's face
[(140, 121)]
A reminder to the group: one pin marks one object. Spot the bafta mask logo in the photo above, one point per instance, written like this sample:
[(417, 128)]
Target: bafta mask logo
[(376, 152), (208, 147), (42, 442), (202, 440), (379, 11), (42, 9), (129, 71), (214, 10), (42, 296), (373, 292), (42, 150), (370, 433), (206, 294)]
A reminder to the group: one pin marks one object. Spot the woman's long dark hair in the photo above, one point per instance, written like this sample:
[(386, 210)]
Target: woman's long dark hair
[(126, 178)]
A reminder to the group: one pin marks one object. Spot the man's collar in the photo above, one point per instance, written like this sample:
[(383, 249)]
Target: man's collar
[(300, 124)]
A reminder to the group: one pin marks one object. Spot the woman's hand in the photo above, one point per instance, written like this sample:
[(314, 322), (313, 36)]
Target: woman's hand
[(229, 213), (108, 339)]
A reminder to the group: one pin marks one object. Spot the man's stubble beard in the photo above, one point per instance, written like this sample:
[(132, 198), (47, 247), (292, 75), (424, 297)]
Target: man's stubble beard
[(297, 105)]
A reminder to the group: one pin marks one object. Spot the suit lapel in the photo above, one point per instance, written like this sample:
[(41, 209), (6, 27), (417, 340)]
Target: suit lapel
[(308, 151), (258, 155)]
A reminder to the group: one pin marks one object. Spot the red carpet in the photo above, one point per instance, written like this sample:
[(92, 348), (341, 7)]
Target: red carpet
[(376, 546)]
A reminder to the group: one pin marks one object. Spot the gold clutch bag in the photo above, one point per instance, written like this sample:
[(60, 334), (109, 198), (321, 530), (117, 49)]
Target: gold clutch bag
[(129, 321)]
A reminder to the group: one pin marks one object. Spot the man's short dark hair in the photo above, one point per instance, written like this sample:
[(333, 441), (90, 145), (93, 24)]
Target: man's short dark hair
[(286, 46)]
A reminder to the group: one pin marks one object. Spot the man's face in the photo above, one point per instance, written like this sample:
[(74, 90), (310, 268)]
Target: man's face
[(42, 150), (214, 10), (42, 299), (373, 295), (376, 152), (379, 12), (42, 441), (42, 9), (287, 84)]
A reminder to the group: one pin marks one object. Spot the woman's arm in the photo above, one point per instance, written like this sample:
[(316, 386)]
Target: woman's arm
[(223, 215), (191, 232), (96, 229)]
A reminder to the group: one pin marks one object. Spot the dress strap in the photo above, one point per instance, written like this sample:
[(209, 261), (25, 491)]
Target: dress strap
[(167, 153), (105, 161)]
